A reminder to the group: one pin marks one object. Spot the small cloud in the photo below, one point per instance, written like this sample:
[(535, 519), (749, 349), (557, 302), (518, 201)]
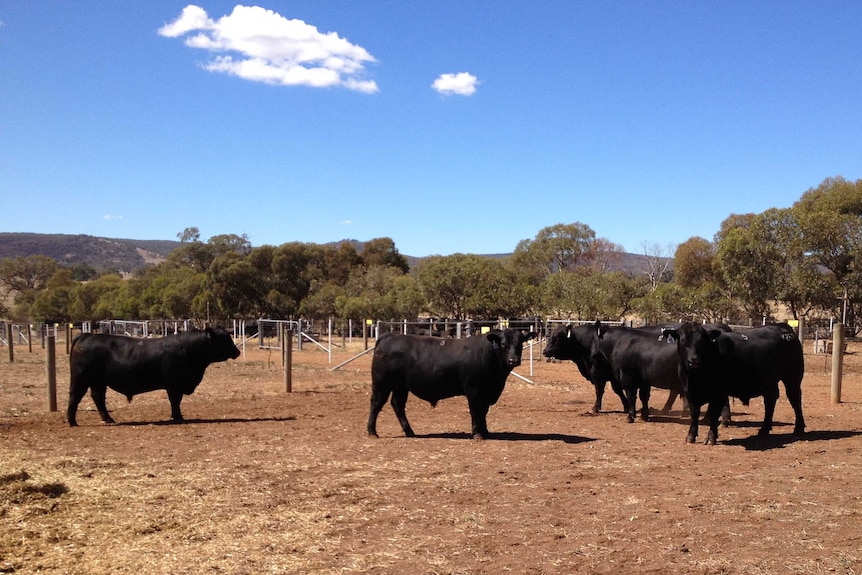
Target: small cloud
[(110, 217), (345, 222), (461, 84), (261, 45)]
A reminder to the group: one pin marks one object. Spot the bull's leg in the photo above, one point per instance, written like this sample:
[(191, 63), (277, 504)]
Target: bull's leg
[(98, 392), (631, 397), (694, 412), (725, 412), (76, 394), (671, 397), (399, 402), (600, 392), (644, 395), (793, 391), (479, 416), (714, 415), (378, 400), (618, 389), (175, 397), (770, 398)]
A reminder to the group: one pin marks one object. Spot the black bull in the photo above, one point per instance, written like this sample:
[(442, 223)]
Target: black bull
[(131, 366), (433, 369), (633, 360), (714, 365)]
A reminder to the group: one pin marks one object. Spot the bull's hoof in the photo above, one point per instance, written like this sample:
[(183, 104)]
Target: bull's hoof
[(479, 437), (409, 433), (630, 419), (690, 438), (373, 434), (710, 441), (73, 424), (764, 432), (798, 431)]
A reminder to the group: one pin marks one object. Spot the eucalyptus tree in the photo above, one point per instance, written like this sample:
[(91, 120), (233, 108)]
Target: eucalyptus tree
[(378, 292), (460, 286), (746, 257), (561, 247), (28, 273), (91, 300), (830, 219), (382, 252), (55, 300)]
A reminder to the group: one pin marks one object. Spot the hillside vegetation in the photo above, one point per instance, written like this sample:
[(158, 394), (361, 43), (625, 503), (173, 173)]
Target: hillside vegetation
[(101, 253), (112, 254)]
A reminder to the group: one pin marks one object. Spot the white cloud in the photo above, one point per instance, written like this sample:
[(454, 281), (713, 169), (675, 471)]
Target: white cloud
[(260, 45), (110, 217), (462, 84), (346, 222)]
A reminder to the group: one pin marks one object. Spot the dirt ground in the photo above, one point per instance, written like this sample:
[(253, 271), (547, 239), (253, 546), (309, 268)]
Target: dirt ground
[(262, 481)]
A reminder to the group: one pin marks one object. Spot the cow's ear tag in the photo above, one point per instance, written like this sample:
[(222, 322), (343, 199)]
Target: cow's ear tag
[(568, 333)]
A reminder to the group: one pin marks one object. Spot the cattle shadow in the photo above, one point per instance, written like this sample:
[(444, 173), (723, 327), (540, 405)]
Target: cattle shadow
[(510, 436), (670, 417), (773, 441), (205, 421)]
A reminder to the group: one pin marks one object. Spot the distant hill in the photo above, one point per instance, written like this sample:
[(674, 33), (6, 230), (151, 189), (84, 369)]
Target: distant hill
[(101, 253), (131, 255)]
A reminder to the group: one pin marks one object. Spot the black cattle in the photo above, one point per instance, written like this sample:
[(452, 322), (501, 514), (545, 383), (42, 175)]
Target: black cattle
[(576, 344), (433, 369), (638, 361), (715, 365), (583, 345), (132, 366), (661, 330)]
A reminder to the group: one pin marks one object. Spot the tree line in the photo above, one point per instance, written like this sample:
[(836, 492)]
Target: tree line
[(803, 261)]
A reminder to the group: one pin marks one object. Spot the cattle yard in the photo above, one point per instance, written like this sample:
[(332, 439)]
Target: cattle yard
[(262, 481)]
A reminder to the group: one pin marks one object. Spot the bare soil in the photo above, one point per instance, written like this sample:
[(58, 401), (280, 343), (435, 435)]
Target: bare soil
[(262, 481)]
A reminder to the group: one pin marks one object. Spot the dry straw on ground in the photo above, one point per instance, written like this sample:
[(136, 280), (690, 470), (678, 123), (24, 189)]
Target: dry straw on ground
[(259, 481)]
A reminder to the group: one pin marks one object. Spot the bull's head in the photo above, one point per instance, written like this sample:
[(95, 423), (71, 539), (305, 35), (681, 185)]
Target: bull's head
[(559, 344), (509, 344), (221, 344), (694, 343)]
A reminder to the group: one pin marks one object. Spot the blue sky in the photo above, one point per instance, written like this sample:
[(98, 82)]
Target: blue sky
[(448, 126)]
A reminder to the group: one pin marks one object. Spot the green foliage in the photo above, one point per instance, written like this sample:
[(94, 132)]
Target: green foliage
[(694, 263), (463, 285), (382, 252), (806, 257), (589, 295), (561, 247), (24, 274)]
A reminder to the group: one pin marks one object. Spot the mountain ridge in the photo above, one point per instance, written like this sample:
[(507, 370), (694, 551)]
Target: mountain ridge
[(130, 255)]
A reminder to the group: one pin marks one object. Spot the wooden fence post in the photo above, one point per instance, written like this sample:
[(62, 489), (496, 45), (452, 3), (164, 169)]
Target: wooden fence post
[(52, 373), (837, 361), (288, 361), (8, 328)]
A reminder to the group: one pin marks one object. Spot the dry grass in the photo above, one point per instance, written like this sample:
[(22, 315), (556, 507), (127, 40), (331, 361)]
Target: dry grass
[(259, 481)]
